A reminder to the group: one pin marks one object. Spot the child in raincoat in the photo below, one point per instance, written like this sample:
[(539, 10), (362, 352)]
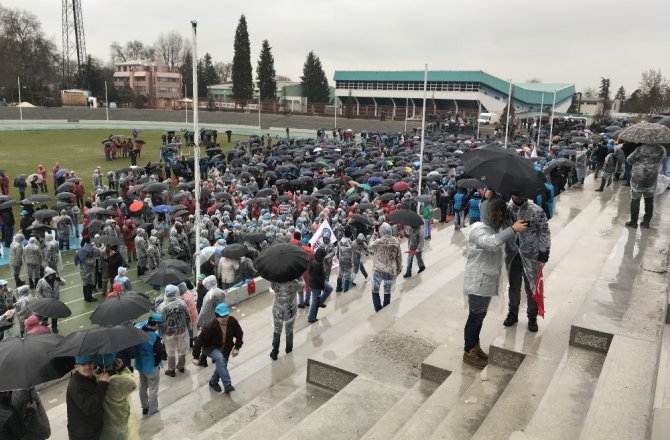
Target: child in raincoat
[(119, 420)]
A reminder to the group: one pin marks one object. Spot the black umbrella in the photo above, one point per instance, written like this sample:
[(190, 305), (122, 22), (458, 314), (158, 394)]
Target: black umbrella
[(179, 265), (40, 198), (49, 308), (470, 184), (265, 192), (29, 362), (424, 198), (109, 240), (379, 188), (503, 171), (100, 340), (308, 199), (65, 196), (155, 187), (406, 217), (121, 308), (325, 192), (360, 218), (181, 196), (255, 237), (44, 213), (39, 228), (8, 204), (282, 262), (107, 193), (67, 186), (234, 250), (61, 205), (387, 197), (353, 198), (164, 275)]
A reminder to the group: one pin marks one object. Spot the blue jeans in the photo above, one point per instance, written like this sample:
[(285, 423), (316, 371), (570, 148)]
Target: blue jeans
[(459, 218), (221, 364), (319, 298), (64, 242), (302, 297), (389, 281), (478, 306), (358, 265), (419, 260), (426, 227)]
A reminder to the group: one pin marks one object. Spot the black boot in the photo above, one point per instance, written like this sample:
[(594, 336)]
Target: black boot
[(602, 185), (276, 338), (289, 343), (512, 318), (634, 213), (203, 361), (31, 283), (648, 211)]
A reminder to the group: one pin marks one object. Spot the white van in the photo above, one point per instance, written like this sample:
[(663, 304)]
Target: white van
[(488, 118)]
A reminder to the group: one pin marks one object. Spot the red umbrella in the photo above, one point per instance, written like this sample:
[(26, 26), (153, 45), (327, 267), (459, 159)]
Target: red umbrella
[(400, 186), (136, 206), (538, 294)]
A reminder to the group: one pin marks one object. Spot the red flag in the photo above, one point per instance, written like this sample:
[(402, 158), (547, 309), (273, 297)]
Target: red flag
[(538, 294)]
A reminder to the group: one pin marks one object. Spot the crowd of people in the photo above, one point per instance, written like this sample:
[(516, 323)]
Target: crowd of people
[(334, 199)]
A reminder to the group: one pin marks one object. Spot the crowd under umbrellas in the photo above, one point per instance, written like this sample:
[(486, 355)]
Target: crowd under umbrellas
[(254, 198)]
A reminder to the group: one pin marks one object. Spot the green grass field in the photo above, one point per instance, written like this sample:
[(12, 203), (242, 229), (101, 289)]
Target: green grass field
[(77, 150)]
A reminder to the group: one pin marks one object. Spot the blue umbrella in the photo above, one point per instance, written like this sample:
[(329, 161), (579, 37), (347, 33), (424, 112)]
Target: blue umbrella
[(375, 180), (163, 209), (61, 172)]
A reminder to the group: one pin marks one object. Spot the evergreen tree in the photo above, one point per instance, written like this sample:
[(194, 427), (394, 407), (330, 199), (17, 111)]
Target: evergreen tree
[(265, 73), (620, 94), (243, 87), (313, 80), (604, 94), (207, 74), (186, 70)]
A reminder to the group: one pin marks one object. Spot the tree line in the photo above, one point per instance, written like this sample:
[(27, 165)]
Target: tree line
[(38, 62)]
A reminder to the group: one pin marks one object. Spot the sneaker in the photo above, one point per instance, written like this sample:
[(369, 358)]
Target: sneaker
[(471, 358), (181, 369), (532, 325), (312, 321), (421, 269), (599, 190), (215, 386), (481, 353), (228, 389), (644, 225), (145, 411), (301, 306), (170, 373), (338, 290), (511, 319), (631, 224), (353, 284), (322, 305), (407, 275), (273, 355)]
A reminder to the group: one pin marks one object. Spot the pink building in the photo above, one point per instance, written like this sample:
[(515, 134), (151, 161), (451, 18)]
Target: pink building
[(152, 79)]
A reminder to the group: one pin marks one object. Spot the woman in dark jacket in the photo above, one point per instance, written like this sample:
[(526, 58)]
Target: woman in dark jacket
[(317, 283)]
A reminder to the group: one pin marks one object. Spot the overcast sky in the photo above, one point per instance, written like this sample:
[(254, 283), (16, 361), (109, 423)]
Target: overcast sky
[(556, 41)]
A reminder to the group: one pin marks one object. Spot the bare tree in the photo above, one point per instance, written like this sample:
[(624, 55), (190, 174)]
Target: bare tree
[(224, 70), (117, 53), (654, 91), (170, 47), (283, 78), (534, 80), (589, 92), (133, 50)]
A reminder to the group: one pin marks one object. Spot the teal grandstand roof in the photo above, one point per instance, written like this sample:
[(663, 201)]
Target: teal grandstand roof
[(529, 93)]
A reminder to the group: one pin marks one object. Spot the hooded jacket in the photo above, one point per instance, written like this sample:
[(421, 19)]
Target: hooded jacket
[(16, 251), (386, 250), (214, 297), (646, 159), (45, 289), (485, 259), (176, 318), (32, 254), (284, 306)]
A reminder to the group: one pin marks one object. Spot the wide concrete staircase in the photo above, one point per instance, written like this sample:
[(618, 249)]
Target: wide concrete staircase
[(591, 372)]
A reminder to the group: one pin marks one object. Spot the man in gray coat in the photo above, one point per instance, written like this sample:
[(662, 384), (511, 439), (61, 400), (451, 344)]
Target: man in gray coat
[(49, 287), (16, 258), (482, 274), (646, 161)]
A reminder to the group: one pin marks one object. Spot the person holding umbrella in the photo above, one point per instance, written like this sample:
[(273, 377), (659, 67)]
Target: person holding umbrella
[(148, 360), (482, 272), (284, 312), (525, 256), (49, 288), (645, 161), (415, 243), (219, 339), (84, 398), (22, 415)]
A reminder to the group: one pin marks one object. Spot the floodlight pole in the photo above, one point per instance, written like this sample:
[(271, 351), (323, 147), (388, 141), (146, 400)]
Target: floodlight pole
[(540, 124), (479, 115), (551, 123), (106, 103), (196, 150), (18, 79), (406, 108), (423, 129), (185, 105), (509, 104)]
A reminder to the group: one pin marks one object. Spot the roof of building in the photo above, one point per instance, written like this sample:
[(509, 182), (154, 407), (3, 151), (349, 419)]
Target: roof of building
[(530, 93)]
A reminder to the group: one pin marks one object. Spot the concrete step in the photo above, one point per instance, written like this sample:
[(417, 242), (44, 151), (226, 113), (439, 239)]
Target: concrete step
[(349, 414), (474, 405), (561, 412), (445, 367), (622, 404), (280, 418), (402, 411), (661, 419)]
